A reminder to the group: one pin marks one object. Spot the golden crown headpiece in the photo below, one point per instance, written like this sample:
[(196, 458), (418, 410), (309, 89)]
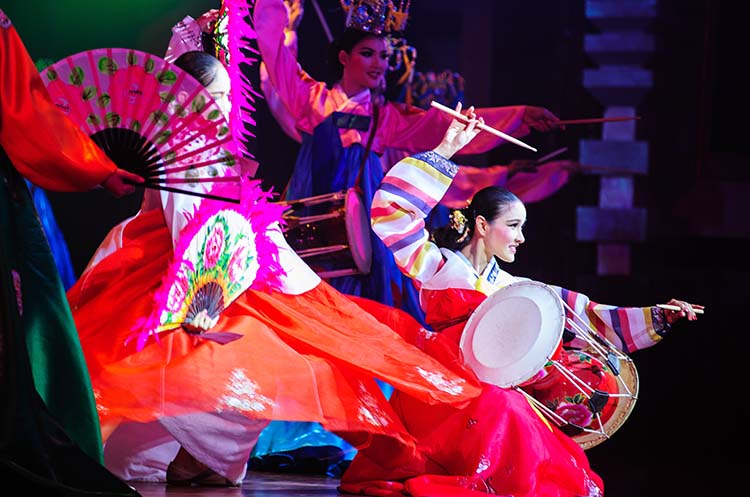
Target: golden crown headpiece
[(376, 16)]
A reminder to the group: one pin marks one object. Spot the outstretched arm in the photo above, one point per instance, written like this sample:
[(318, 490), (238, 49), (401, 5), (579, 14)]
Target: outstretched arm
[(627, 328), (44, 145)]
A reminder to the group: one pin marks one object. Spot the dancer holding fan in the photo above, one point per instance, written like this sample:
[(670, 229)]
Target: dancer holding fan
[(507, 447), (185, 404)]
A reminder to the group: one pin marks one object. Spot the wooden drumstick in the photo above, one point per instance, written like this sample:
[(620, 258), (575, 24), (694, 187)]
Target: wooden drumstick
[(591, 120), (671, 307), (483, 127), (551, 155)]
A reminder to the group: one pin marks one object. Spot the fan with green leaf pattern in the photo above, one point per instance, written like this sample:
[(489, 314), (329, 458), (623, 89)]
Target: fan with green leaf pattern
[(150, 117)]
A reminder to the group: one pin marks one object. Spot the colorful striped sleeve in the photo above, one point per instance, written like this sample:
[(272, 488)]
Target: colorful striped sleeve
[(627, 328), (410, 190)]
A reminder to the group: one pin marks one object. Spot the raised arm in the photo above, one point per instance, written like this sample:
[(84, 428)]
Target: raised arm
[(293, 87), (410, 190)]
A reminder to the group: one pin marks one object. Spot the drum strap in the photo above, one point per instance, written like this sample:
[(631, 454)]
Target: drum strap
[(366, 154)]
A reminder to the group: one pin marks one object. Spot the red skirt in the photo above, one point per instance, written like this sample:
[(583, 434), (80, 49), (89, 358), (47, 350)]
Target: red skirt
[(309, 357), (498, 445)]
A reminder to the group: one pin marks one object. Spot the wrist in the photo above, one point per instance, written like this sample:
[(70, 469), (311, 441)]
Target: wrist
[(445, 150)]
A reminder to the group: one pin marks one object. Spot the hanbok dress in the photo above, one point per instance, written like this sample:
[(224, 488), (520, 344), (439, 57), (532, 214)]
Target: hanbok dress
[(335, 129), (499, 443)]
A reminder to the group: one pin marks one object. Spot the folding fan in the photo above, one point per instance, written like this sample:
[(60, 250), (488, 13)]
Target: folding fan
[(150, 117), (222, 251)]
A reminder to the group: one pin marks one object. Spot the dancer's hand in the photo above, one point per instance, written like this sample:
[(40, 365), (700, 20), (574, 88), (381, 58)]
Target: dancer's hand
[(201, 323), (459, 133), (540, 119), (121, 182), (686, 311)]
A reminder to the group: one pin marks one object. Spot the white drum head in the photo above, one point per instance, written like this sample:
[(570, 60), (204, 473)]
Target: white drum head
[(358, 231), (513, 333)]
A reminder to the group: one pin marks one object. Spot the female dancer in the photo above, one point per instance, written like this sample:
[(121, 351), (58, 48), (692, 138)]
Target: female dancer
[(497, 443), (306, 353), (343, 132)]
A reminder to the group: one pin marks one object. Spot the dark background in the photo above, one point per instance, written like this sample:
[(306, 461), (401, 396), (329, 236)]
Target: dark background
[(686, 435)]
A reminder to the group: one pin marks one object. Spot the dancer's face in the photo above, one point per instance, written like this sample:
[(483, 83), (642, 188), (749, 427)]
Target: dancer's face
[(219, 89), (504, 234), (365, 66)]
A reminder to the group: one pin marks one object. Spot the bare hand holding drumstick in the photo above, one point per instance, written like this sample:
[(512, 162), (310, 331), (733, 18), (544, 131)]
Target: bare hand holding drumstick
[(459, 132), (674, 310)]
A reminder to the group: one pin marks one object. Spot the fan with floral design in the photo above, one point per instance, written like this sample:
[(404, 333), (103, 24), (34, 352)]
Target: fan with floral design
[(222, 251), (150, 117)]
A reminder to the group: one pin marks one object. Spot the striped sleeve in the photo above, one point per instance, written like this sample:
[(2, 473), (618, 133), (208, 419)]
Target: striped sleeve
[(410, 190), (627, 328)]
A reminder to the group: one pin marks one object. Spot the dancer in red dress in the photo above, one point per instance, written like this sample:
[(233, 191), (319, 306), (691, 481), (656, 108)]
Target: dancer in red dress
[(498, 443)]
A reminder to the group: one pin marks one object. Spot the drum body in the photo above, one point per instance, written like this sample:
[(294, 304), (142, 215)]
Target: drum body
[(335, 240), (514, 340), (595, 402)]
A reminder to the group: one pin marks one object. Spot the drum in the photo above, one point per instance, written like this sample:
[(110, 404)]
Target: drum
[(587, 398), (511, 336), (514, 340), (335, 239)]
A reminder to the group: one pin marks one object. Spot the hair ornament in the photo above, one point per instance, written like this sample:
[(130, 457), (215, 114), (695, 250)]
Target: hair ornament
[(376, 16), (458, 223)]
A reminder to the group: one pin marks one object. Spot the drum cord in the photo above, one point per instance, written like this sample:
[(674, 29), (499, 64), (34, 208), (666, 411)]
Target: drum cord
[(601, 345), (591, 336)]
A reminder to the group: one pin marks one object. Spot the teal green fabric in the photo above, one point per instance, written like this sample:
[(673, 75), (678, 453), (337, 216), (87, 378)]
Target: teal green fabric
[(50, 439)]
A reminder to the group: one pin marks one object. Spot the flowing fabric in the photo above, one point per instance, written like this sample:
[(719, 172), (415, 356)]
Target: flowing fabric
[(307, 355), (55, 237), (303, 336), (50, 438), (506, 447)]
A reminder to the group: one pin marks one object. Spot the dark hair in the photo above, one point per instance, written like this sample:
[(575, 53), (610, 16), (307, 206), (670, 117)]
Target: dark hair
[(346, 42), (489, 202), (200, 65)]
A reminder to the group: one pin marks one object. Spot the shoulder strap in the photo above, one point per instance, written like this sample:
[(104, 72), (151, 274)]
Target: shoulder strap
[(375, 115)]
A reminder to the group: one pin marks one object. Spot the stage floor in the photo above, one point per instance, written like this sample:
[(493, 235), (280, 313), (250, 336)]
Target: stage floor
[(256, 484)]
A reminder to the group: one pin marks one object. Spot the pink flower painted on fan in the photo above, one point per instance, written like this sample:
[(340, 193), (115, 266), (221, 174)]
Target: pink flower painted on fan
[(577, 414), (179, 288), (134, 92), (214, 246), (238, 262)]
